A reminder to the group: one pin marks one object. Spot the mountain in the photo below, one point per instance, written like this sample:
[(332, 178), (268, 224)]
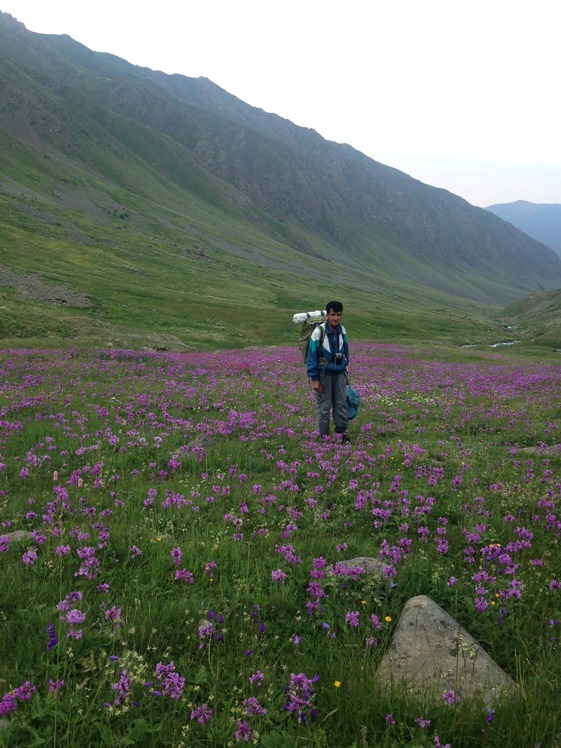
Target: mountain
[(154, 209), (541, 222)]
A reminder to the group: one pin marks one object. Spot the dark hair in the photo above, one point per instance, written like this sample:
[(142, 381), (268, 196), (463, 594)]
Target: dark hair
[(335, 305)]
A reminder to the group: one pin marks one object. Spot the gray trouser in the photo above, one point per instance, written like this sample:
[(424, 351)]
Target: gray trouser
[(333, 397)]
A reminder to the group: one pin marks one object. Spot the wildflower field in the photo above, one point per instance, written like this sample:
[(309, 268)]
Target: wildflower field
[(172, 537)]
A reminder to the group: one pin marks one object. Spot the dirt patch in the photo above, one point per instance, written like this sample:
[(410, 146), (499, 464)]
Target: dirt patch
[(34, 287)]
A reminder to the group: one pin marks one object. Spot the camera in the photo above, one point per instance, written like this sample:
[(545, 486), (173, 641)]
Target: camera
[(338, 358)]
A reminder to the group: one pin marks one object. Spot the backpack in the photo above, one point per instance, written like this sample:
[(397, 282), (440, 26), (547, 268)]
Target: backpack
[(310, 320)]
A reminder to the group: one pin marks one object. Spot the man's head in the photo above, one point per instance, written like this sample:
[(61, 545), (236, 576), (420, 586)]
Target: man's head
[(335, 305), (334, 311)]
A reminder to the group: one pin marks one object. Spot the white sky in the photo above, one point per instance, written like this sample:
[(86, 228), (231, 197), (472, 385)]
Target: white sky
[(461, 95)]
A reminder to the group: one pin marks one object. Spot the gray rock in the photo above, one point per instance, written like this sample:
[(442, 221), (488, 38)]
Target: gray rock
[(18, 535), (201, 441), (541, 450), (431, 653), (372, 566)]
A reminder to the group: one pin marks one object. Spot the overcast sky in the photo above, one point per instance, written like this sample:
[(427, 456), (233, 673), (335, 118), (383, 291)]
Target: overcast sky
[(461, 95)]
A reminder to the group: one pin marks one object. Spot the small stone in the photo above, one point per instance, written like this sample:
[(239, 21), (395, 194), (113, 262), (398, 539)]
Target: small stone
[(202, 441), (373, 567)]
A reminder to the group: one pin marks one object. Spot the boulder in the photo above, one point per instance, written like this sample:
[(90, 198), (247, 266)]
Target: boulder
[(431, 653)]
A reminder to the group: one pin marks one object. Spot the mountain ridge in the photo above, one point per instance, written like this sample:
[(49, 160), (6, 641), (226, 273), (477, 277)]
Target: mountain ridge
[(541, 221)]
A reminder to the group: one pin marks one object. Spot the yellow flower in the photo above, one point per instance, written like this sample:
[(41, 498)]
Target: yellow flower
[(388, 619), (337, 683), (363, 602)]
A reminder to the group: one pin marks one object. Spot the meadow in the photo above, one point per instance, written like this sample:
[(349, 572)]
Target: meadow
[(172, 531)]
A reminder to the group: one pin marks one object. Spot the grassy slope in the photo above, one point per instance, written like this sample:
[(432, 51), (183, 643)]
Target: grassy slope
[(191, 273), (181, 288)]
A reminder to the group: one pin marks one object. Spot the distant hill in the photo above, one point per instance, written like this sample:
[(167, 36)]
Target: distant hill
[(541, 222), (136, 205), (537, 316)]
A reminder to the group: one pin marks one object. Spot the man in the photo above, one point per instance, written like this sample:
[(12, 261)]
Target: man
[(326, 365)]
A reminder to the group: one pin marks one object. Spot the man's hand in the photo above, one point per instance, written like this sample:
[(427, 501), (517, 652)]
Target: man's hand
[(316, 385)]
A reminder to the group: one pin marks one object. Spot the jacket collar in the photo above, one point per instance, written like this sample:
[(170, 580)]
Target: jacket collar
[(336, 331)]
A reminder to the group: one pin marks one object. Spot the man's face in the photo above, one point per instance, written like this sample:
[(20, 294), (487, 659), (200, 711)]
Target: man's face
[(333, 318)]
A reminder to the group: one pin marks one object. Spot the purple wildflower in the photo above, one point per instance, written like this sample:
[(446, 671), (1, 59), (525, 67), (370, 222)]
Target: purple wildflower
[(209, 568), (257, 679), (53, 638), (481, 604), (450, 697), (202, 714), (30, 556), (122, 687), (172, 683), (177, 556), (375, 621), (252, 706), (184, 576), (74, 617), (244, 733), (301, 696), (56, 685), (210, 631), (11, 700)]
